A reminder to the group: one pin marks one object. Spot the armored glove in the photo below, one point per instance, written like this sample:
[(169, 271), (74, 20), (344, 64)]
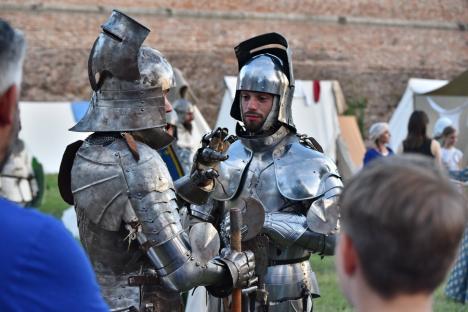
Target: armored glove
[(240, 266), (208, 156), (195, 187)]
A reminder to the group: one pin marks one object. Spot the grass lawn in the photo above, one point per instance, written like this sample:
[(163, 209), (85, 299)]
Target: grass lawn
[(331, 301)]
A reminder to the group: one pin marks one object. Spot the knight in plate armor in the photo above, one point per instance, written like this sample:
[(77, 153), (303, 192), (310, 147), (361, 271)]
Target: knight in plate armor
[(124, 197), (185, 144), (286, 187), (22, 177)]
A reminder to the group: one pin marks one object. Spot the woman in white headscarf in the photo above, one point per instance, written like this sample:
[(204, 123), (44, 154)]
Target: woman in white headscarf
[(379, 134)]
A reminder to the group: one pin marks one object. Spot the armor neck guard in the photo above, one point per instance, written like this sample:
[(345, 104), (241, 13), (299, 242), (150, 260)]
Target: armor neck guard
[(258, 144)]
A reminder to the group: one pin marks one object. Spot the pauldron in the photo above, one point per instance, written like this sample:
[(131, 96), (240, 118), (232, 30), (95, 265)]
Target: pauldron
[(300, 171)]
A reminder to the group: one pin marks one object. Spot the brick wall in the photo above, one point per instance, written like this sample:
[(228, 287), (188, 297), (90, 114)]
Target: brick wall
[(372, 58)]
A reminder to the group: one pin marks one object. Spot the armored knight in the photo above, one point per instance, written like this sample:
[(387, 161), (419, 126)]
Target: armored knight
[(285, 185), (123, 194), (21, 179), (185, 144)]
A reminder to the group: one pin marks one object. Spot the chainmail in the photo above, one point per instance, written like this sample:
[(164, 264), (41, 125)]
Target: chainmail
[(104, 138)]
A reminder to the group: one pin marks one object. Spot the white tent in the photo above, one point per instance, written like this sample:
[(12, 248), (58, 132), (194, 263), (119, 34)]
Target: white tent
[(317, 119), (438, 98), (44, 129)]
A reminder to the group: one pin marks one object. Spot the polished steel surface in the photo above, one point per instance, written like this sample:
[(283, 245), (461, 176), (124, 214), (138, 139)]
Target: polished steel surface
[(123, 205), (121, 105), (281, 165), (231, 171), (265, 66)]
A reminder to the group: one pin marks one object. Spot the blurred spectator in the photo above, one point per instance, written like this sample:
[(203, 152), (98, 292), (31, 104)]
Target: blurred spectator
[(398, 238), (450, 155), (186, 144), (42, 268), (439, 127), (457, 284), (22, 177), (417, 140), (379, 134)]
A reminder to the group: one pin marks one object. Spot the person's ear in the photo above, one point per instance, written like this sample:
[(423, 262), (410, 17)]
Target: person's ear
[(349, 254), (7, 104)]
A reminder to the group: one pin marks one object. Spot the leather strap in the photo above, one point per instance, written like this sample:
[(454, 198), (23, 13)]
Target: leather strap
[(139, 280), (287, 261)]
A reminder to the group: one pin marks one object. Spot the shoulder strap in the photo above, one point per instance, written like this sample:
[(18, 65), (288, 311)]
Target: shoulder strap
[(64, 176), (310, 142)]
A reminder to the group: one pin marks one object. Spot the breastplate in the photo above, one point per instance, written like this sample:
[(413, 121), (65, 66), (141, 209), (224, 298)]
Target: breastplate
[(260, 182), (259, 177)]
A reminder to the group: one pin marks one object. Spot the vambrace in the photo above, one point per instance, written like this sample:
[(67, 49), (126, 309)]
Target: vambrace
[(161, 236), (322, 244), (178, 268), (178, 264), (284, 228), (323, 213), (188, 188)]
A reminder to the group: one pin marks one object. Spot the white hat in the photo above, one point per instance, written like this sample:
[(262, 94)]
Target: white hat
[(377, 129), (440, 125)]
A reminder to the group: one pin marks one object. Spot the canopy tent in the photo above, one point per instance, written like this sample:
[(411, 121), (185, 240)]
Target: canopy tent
[(318, 119), (438, 98), (44, 129)]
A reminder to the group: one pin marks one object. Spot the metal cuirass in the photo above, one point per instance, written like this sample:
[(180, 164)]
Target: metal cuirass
[(111, 190)]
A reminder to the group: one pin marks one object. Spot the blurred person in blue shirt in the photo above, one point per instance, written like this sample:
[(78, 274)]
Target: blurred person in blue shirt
[(379, 134), (42, 268)]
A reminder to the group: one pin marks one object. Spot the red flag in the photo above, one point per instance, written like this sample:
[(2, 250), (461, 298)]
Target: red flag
[(316, 90)]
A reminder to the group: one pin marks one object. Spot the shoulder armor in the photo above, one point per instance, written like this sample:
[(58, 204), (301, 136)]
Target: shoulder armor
[(231, 171), (299, 171), (106, 178)]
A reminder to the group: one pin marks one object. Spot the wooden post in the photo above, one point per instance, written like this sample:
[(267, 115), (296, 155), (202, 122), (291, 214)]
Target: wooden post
[(236, 224)]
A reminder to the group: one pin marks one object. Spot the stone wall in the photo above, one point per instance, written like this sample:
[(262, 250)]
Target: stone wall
[(371, 47)]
